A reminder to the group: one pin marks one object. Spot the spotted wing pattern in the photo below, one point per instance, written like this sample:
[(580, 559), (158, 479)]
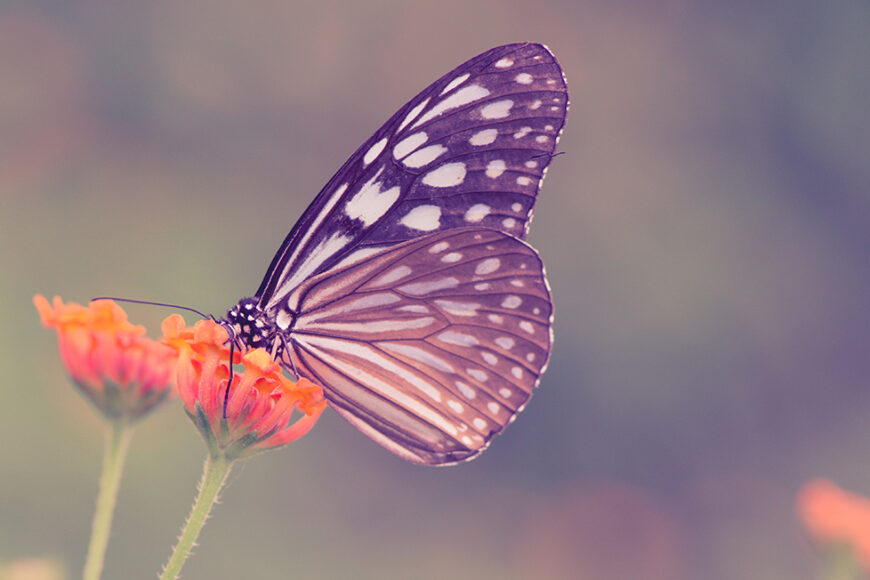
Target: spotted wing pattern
[(432, 346), (469, 150)]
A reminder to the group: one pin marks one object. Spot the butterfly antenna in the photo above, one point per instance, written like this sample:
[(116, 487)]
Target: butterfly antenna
[(198, 313), (150, 303)]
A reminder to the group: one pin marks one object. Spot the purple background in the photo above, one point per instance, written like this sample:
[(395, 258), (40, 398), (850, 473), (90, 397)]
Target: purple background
[(706, 235)]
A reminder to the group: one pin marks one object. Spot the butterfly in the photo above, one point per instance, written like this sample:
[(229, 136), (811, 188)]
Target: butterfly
[(405, 289)]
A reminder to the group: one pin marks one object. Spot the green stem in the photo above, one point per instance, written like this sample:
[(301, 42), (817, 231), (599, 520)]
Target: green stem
[(117, 444), (213, 478)]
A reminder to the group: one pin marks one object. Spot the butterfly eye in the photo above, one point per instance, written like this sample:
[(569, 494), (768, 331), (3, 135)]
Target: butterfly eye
[(405, 289)]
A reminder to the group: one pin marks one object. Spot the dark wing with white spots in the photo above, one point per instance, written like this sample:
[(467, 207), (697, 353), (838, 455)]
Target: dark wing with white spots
[(470, 150), (430, 347)]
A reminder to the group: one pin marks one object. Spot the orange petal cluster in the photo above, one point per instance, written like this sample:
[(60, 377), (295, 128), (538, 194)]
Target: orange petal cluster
[(836, 517), (259, 410), (122, 372)]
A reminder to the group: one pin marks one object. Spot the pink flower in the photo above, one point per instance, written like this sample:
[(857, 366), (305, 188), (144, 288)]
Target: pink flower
[(836, 517), (123, 373), (259, 411)]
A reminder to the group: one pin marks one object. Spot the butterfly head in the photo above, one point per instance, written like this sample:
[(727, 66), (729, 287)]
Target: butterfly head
[(249, 325)]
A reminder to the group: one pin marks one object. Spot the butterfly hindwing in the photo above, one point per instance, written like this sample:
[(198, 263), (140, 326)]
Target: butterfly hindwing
[(469, 150), (432, 346)]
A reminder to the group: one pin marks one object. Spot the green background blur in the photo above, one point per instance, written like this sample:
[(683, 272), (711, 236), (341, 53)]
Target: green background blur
[(706, 235)]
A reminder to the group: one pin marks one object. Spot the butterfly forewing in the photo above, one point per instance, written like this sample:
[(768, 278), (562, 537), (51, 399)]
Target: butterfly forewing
[(431, 346), (469, 150)]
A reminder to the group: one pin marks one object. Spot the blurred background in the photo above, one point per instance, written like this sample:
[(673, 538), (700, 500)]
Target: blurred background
[(706, 235)]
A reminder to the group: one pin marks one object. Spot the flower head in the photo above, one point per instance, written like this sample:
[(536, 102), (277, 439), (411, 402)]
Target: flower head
[(261, 400), (122, 372), (836, 518)]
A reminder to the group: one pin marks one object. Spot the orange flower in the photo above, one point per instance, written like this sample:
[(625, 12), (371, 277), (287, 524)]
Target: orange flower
[(836, 517), (261, 400), (123, 373)]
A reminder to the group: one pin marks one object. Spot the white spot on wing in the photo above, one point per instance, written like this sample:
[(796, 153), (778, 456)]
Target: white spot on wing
[(439, 247), (461, 97), (409, 143), (457, 338), (418, 354), (517, 207), (455, 83), (393, 275), (412, 114), (370, 326), (495, 168), (522, 132), (371, 301), (421, 288), (456, 407), (523, 180), (542, 138), (504, 63), (466, 390), (477, 375), (451, 257), (536, 104), (504, 392), (527, 326), (370, 203), (493, 407), (482, 286), (497, 110), (517, 372), (524, 78), (488, 357), (459, 308), (479, 424), (509, 222), (505, 342), (448, 175), (477, 212), (424, 218), (511, 302), (424, 156), (374, 151), (484, 137), (487, 266)]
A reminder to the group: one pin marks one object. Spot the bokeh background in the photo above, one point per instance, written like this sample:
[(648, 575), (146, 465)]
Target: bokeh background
[(706, 234)]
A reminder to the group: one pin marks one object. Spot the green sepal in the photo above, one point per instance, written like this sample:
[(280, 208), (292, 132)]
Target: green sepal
[(200, 420)]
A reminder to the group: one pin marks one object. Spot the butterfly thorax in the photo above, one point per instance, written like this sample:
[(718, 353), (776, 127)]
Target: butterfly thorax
[(251, 327)]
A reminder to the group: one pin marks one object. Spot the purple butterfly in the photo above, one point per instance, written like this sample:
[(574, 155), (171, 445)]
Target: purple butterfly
[(406, 289)]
